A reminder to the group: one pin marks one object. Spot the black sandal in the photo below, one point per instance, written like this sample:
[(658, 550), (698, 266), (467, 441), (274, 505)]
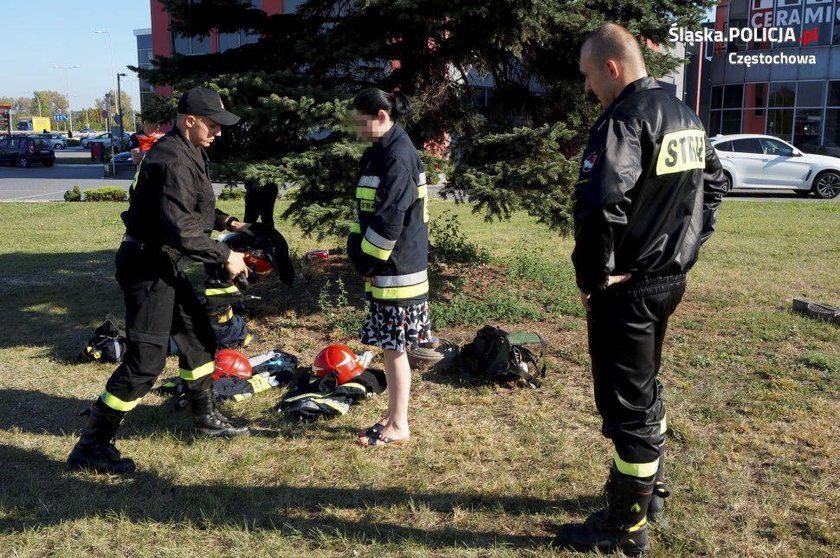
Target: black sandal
[(368, 432)]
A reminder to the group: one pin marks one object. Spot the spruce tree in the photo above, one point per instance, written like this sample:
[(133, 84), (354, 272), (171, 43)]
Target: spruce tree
[(292, 88)]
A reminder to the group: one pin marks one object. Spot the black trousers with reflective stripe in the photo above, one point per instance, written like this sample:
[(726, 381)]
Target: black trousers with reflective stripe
[(159, 302), (627, 324)]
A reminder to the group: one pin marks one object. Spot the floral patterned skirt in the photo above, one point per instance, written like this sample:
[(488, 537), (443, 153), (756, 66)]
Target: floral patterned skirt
[(396, 327)]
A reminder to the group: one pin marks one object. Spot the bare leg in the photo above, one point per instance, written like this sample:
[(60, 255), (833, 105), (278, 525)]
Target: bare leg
[(398, 375)]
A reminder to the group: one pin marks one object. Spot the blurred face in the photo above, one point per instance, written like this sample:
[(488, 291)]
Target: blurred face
[(372, 128), (601, 79), (201, 131)]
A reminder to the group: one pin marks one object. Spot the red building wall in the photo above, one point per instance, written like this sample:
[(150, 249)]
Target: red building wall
[(162, 37)]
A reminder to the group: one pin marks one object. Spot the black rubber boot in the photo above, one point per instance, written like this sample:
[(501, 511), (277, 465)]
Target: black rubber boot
[(622, 526), (95, 449), (656, 508), (209, 421)]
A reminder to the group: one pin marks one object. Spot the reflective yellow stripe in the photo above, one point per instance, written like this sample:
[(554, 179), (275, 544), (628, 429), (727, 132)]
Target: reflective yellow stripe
[(199, 372), (375, 251), (227, 290), (118, 404), (368, 287), (422, 191), (638, 525), (225, 317), (356, 228), (248, 339), (425, 210), (663, 425), (640, 470), (365, 194), (399, 293)]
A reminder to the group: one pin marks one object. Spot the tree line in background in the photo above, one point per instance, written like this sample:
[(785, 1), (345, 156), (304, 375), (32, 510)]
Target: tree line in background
[(49, 103), (512, 146)]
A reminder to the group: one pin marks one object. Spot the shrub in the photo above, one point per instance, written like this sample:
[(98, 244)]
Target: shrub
[(108, 193), (450, 244), (73, 195), (231, 193)]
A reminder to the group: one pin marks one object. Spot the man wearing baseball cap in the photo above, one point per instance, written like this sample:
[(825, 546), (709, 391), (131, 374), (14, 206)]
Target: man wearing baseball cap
[(171, 212)]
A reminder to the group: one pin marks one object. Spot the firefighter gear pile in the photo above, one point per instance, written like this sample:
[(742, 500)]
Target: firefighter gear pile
[(498, 356), (322, 396), (107, 343)]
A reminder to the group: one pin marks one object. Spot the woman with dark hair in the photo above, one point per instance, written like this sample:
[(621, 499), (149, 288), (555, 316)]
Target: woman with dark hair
[(389, 246)]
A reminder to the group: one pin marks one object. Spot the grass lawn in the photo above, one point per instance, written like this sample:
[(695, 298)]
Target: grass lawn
[(752, 390)]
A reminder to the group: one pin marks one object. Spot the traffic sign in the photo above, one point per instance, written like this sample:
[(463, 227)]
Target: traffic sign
[(60, 117)]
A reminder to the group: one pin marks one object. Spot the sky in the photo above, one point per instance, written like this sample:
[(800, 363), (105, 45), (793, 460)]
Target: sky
[(37, 34)]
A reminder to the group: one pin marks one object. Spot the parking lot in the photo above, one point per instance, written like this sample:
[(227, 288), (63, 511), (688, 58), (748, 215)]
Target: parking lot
[(40, 183)]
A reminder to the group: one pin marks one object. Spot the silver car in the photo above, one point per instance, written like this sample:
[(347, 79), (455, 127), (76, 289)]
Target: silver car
[(766, 162), (57, 141)]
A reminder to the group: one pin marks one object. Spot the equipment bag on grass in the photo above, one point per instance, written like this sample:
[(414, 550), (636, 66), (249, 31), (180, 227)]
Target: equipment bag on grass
[(499, 356), (107, 343)]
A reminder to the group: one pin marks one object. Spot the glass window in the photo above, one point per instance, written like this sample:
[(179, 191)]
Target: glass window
[(750, 145), (144, 41), (731, 122), (738, 17), (810, 94), (780, 123), (228, 41), (4, 144), (714, 122), (290, 6), (782, 94), (724, 146), (181, 44), (775, 147), (807, 129), (788, 15), (761, 16), (717, 97), (201, 45), (831, 144), (733, 96), (816, 22), (755, 103), (834, 91)]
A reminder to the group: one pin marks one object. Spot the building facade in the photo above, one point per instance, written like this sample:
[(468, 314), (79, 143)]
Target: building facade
[(784, 82)]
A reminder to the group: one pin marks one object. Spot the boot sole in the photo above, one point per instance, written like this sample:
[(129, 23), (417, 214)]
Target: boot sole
[(74, 465), (221, 433)]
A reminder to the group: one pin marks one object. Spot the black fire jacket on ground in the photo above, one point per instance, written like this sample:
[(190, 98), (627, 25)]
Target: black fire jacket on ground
[(172, 204), (649, 189)]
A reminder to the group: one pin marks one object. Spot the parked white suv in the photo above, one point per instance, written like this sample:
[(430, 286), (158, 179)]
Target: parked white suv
[(766, 162)]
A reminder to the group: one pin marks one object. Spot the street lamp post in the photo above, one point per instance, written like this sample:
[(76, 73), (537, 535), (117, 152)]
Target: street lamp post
[(113, 65), (67, 90), (119, 105)]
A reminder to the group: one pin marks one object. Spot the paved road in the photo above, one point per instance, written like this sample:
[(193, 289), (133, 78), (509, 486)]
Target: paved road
[(40, 183)]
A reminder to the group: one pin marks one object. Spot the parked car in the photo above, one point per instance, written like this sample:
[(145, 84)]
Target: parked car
[(56, 140), (86, 141), (25, 150), (766, 162), (87, 131), (121, 163), (106, 140)]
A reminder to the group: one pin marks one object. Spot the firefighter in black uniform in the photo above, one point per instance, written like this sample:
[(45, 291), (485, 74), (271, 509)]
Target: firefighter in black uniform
[(647, 198), (171, 212)]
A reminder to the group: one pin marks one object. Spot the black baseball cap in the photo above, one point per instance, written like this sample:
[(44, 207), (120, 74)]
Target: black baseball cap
[(201, 101)]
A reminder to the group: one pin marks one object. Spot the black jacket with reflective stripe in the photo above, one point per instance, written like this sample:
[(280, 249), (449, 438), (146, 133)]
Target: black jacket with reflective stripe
[(172, 204), (390, 242), (649, 189)]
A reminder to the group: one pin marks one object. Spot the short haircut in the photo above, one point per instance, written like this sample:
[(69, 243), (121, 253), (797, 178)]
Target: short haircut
[(611, 40)]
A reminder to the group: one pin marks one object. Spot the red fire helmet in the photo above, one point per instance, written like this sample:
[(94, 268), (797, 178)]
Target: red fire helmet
[(258, 262), (231, 363), (338, 359)]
